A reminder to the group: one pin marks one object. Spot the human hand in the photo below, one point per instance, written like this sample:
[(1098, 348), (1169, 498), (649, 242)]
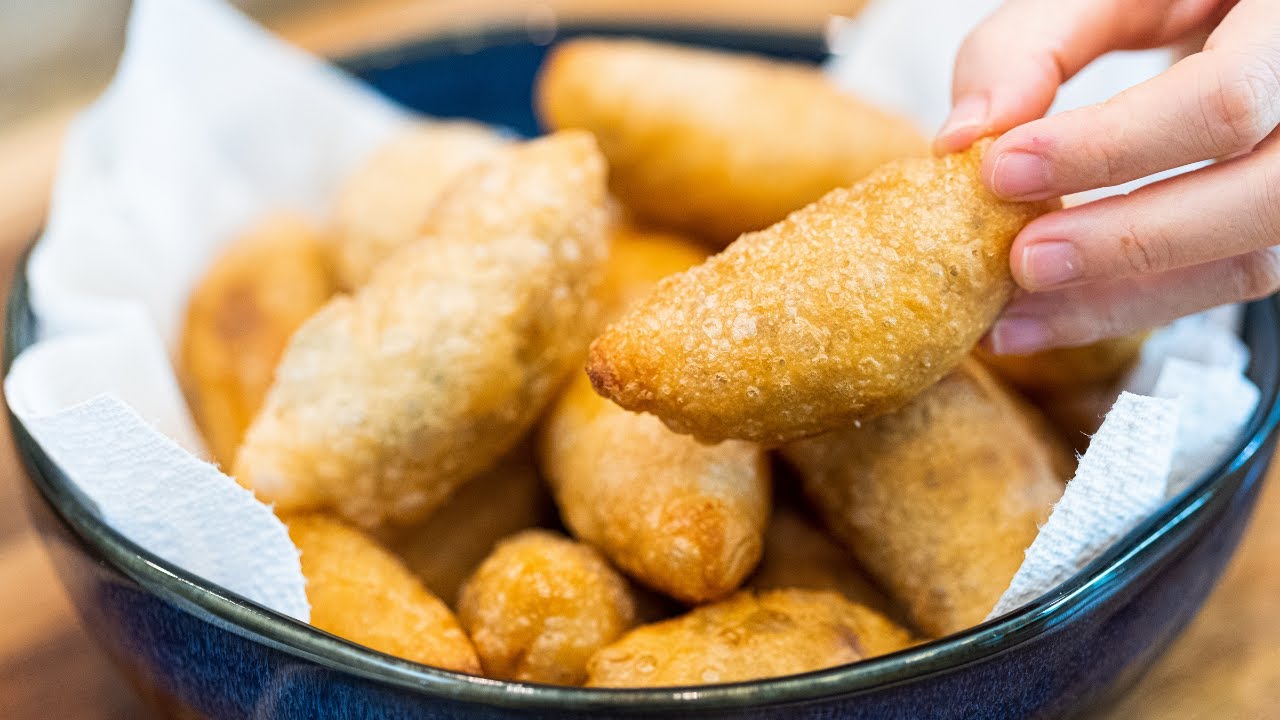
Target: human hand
[(1174, 247)]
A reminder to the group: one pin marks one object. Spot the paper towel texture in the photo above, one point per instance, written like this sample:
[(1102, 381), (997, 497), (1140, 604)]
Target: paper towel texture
[(1217, 402), (1121, 480), (209, 124), (178, 507)]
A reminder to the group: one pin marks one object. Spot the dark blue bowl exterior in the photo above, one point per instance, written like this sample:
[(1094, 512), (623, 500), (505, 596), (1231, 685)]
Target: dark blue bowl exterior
[(191, 663)]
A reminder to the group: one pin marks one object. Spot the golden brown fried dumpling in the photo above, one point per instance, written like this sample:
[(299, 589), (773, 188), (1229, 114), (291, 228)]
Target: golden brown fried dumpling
[(799, 554), (640, 257), (447, 547), (540, 605), (360, 592), (382, 206), (389, 399), (679, 516), (239, 318), (745, 637), (1067, 369), (846, 310), (716, 143), (939, 500)]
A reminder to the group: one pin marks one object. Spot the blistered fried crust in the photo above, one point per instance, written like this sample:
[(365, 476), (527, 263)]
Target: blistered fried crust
[(360, 592), (681, 517), (844, 311), (382, 206), (799, 554), (1066, 369), (939, 500), (746, 637), (447, 547), (715, 143), (387, 400), (541, 605), (239, 318), (638, 259)]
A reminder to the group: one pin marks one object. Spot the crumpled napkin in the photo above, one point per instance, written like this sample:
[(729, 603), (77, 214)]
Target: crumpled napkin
[(209, 123), (1120, 480)]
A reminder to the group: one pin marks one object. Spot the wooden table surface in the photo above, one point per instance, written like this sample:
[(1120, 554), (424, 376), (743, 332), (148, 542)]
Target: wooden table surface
[(1226, 667)]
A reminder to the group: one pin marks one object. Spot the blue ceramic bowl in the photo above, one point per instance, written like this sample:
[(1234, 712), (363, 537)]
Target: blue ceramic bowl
[(198, 649)]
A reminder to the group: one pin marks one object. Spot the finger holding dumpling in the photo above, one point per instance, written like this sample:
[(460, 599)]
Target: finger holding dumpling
[(940, 499), (388, 399), (846, 310)]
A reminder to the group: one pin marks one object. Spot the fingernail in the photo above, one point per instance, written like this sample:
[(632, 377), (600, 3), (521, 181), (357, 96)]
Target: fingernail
[(1050, 263), (1019, 175), (1019, 336), (968, 117)]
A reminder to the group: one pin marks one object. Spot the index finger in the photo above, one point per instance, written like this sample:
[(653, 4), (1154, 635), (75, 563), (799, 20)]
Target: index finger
[(1009, 68)]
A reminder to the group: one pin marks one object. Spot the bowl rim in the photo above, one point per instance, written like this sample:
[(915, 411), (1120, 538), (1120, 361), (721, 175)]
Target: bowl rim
[(1128, 560)]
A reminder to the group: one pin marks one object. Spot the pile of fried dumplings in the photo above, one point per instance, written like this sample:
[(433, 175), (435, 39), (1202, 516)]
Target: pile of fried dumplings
[(686, 391)]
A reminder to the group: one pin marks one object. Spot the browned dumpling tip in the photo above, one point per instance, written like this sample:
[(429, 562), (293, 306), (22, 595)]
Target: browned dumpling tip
[(846, 310), (679, 516), (1066, 369), (360, 592)]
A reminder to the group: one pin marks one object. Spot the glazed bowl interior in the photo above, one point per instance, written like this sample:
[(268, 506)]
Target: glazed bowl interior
[(488, 77)]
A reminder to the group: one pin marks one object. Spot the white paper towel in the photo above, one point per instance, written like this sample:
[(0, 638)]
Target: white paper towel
[(1217, 402), (209, 124), (181, 508), (1120, 481)]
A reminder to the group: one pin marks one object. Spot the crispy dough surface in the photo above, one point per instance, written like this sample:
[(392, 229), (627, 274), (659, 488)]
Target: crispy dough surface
[(844, 311), (446, 548), (747, 636), (940, 499), (799, 554), (1065, 369), (681, 517), (239, 318), (382, 206), (638, 259), (715, 143), (360, 592), (388, 399), (540, 605)]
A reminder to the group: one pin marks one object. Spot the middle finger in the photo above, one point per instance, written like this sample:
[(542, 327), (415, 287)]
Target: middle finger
[(1220, 211)]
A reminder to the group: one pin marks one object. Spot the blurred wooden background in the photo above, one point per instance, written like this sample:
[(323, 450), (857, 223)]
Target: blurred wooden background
[(1227, 666)]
